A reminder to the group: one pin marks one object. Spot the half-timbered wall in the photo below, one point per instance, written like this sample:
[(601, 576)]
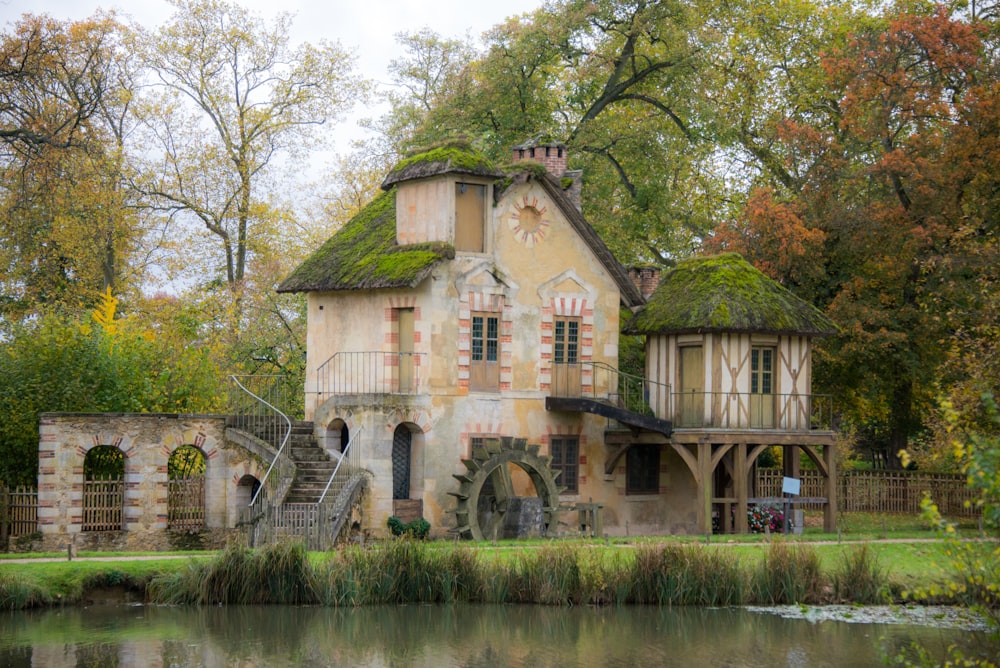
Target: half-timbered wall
[(722, 393)]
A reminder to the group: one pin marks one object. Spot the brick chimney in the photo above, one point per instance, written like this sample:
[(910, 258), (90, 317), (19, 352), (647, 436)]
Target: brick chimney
[(646, 279), (552, 155)]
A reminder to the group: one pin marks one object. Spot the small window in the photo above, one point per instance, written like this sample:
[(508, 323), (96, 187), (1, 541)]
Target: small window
[(470, 217), (565, 452), (642, 468)]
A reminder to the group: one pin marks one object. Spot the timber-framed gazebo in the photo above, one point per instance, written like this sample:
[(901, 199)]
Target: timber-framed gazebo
[(731, 353)]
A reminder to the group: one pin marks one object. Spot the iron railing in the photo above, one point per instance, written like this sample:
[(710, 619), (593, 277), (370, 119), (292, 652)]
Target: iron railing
[(369, 372), (268, 423), (603, 382), (746, 410), (352, 456)]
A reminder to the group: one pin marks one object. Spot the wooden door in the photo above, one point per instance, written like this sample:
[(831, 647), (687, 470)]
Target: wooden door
[(762, 387), (691, 395), (484, 363), (566, 357)]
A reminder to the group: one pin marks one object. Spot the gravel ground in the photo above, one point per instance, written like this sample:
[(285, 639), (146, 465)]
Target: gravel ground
[(934, 615)]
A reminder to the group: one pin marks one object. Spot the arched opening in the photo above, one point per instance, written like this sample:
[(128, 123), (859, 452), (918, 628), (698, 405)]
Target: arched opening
[(407, 503), (246, 488), (104, 489), (402, 444), (186, 488), (337, 436)]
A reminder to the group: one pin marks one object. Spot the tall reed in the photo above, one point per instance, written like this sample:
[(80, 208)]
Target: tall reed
[(278, 573), (860, 578), (788, 574)]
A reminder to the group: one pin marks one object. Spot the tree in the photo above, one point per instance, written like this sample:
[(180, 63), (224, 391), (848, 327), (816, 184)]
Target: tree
[(236, 100), (100, 363), (69, 230), (613, 80), (897, 170)]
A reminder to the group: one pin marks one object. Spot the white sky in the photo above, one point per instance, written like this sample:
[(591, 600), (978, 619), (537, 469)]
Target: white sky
[(365, 26)]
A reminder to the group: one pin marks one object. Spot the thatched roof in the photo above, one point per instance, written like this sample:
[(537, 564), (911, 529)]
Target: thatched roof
[(725, 293), (364, 255), (455, 158)]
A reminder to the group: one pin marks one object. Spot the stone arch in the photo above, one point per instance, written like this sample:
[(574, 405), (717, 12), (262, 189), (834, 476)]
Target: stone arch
[(103, 486), (337, 435), (246, 486), (186, 467)]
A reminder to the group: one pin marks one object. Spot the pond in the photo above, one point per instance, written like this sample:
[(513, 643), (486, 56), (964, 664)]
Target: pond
[(439, 636)]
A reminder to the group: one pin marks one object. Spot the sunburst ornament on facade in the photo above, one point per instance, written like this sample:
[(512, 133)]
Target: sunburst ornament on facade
[(529, 221)]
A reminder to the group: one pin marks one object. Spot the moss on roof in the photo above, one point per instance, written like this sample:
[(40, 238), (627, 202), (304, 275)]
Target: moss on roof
[(725, 293), (455, 157), (364, 255)]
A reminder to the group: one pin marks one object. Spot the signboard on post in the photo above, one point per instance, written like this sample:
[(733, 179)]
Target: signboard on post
[(789, 487)]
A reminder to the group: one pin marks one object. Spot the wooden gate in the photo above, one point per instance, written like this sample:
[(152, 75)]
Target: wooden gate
[(186, 502), (103, 501)]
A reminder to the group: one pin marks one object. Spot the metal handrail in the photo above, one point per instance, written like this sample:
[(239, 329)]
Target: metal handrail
[(369, 372), (288, 431), (343, 456), (632, 392)]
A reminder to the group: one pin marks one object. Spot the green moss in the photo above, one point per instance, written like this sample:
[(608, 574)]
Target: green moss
[(455, 156), (364, 254), (725, 293)]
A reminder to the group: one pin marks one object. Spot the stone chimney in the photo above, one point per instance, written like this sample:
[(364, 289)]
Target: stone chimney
[(646, 279)]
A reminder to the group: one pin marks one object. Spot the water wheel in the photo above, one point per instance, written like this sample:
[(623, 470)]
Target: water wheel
[(489, 468)]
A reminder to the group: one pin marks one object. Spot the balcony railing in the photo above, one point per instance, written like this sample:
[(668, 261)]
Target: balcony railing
[(603, 382), (369, 372), (745, 410)]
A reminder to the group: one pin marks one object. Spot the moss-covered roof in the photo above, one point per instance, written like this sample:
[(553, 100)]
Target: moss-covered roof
[(454, 157), (725, 293), (364, 255)]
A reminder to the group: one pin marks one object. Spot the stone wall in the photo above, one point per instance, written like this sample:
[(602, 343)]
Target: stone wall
[(146, 441)]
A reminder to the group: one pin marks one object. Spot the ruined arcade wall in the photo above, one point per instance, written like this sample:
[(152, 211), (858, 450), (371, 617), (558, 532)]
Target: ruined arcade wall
[(147, 441)]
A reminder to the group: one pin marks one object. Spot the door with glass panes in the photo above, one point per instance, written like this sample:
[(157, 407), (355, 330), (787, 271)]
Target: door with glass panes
[(566, 357), (762, 387)]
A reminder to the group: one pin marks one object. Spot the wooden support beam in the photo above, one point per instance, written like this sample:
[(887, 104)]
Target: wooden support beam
[(830, 512), (741, 479)]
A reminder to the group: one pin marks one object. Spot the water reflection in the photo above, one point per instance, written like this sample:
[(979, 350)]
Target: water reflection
[(464, 635)]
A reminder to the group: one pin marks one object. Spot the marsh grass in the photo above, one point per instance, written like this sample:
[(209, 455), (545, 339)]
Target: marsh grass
[(556, 573), (789, 574), (20, 593), (860, 578), (278, 573)]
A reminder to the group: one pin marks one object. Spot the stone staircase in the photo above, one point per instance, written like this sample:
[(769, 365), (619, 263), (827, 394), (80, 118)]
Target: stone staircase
[(313, 466)]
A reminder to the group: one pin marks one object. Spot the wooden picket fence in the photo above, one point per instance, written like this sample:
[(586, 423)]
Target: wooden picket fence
[(186, 502), (103, 504), (18, 512), (880, 491)]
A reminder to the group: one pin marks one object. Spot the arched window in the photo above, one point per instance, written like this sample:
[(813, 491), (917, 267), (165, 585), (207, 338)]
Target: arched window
[(104, 489), (186, 488)]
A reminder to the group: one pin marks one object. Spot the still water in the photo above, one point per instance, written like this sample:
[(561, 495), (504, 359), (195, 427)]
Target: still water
[(440, 636)]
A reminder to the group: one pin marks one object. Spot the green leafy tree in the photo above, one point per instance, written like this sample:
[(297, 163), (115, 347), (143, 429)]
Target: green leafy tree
[(62, 363)]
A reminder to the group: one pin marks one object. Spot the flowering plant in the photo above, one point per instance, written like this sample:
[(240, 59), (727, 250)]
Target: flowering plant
[(762, 518)]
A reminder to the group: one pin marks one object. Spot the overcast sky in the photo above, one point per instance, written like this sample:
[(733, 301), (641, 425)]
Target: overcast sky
[(365, 26)]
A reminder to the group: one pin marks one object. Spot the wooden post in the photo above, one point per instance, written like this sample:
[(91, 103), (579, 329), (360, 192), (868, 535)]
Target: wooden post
[(740, 473), (830, 514), (704, 513)]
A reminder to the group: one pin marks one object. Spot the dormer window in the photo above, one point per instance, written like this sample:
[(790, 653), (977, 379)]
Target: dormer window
[(470, 217)]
